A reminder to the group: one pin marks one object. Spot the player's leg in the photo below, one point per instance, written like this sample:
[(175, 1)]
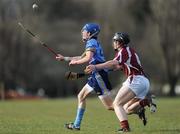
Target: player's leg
[(152, 102), (149, 101), (107, 101), (140, 86), (132, 106), (102, 87), (124, 95), (81, 108), (139, 107)]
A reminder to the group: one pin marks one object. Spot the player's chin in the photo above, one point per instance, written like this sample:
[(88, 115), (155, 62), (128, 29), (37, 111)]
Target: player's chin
[(84, 40)]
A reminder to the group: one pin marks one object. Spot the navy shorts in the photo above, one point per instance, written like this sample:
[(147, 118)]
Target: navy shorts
[(99, 81)]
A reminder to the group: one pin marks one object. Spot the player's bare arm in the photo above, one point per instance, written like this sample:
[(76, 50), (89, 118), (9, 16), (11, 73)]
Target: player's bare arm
[(88, 56), (60, 57), (112, 64)]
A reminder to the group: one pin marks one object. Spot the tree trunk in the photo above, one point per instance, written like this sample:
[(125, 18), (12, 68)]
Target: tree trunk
[(172, 83), (2, 93)]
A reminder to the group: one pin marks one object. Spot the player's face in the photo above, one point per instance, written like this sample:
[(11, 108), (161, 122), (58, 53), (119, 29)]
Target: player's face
[(85, 35), (115, 44)]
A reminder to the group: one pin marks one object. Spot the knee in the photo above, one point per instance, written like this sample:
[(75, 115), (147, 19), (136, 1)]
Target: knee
[(127, 110), (79, 97), (117, 103)]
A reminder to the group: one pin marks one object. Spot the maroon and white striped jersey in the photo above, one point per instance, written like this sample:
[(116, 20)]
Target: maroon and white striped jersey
[(129, 61)]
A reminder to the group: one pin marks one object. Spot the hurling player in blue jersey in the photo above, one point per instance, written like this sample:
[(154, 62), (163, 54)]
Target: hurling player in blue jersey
[(98, 80)]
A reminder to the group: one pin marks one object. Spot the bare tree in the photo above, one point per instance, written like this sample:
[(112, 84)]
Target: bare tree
[(15, 55), (167, 17)]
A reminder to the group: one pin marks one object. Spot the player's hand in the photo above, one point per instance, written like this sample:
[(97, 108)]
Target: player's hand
[(60, 57), (89, 69), (72, 62)]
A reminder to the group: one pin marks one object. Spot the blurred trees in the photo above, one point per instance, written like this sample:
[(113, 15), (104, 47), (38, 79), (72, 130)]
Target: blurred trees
[(24, 62), (153, 26), (16, 57), (154, 29), (167, 18), (63, 9)]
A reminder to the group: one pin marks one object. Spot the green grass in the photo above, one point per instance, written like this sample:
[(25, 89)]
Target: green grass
[(49, 116)]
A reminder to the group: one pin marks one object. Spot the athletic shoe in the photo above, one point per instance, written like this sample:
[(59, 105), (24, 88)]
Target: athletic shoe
[(71, 126), (141, 114), (123, 130), (153, 106)]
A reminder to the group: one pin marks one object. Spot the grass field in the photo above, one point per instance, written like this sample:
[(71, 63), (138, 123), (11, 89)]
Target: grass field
[(49, 116)]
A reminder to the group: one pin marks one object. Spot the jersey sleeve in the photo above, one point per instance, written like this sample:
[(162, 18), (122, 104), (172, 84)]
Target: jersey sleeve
[(91, 45)]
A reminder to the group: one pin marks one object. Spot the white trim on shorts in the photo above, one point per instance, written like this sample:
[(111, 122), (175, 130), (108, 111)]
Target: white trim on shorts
[(89, 88), (139, 85), (104, 95)]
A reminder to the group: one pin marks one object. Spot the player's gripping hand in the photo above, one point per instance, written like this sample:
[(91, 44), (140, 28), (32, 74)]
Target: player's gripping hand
[(60, 57), (89, 69)]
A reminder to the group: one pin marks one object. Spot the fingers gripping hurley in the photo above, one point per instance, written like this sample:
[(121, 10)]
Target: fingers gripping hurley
[(38, 39), (73, 75)]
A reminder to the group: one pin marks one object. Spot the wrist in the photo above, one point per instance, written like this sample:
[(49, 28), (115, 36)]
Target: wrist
[(67, 58), (95, 68), (76, 62)]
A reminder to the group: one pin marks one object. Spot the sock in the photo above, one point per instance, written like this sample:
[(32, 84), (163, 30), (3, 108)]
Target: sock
[(79, 116), (144, 102), (124, 124)]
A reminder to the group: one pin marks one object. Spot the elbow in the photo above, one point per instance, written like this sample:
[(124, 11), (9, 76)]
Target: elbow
[(88, 59)]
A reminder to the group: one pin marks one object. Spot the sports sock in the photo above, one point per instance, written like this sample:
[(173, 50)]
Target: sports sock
[(79, 116), (144, 102), (124, 124)]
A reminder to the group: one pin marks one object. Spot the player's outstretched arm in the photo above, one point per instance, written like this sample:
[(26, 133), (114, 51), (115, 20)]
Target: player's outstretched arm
[(88, 56), (112, 64), (64, 58)]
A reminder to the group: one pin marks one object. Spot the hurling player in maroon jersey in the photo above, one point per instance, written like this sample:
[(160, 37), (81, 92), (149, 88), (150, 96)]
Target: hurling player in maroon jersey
[(132, 94)]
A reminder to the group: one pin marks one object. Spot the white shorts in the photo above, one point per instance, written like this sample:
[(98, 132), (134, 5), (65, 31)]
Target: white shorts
[(138, 84)]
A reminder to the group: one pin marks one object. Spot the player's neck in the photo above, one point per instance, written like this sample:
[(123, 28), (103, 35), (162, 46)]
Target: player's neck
[(120, 47)]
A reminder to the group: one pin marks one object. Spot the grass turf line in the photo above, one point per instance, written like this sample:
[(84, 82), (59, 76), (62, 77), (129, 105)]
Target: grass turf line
[(49, 116)]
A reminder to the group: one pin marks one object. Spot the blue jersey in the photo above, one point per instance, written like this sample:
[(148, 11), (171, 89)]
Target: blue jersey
[(98, 80), (95, 46)]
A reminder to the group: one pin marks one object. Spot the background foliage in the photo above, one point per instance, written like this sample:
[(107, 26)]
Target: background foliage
[(153, 25)]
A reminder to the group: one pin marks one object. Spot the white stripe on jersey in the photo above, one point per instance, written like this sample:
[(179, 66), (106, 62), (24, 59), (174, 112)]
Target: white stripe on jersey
[(128, 62), (138, 61), (119, 56)]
